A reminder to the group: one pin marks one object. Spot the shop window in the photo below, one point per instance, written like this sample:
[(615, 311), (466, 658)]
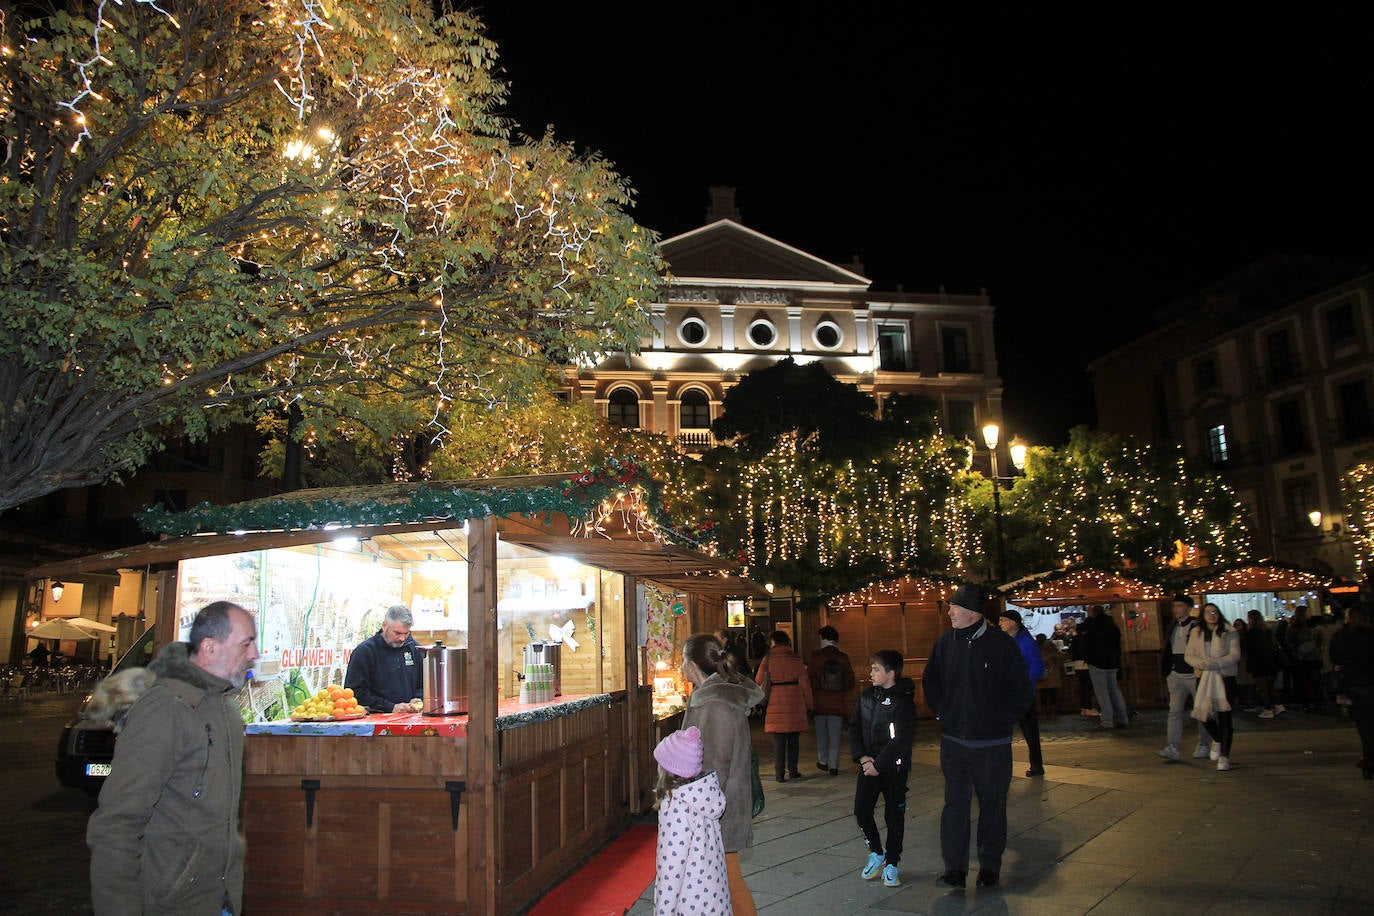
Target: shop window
[(623, 408)]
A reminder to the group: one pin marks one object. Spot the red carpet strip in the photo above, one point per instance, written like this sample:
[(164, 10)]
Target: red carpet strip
[(611, 882)]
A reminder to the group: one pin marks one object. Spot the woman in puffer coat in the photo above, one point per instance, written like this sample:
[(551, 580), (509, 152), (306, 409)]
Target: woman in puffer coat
[(789, 700), (719, 707)]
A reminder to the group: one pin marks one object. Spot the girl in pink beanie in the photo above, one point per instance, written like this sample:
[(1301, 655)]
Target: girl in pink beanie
[(691, 854)]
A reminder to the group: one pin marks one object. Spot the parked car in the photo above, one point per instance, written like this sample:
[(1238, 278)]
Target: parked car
[(86, 749)]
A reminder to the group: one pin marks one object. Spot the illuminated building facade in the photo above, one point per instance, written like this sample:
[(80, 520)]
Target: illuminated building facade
[(740, 300), (1268, 377)]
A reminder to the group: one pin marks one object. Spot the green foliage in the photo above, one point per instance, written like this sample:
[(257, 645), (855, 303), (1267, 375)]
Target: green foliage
[(830, 416), (244, 204), (1106, 501)]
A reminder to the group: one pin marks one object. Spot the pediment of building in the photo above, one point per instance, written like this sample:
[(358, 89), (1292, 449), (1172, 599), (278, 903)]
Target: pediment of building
[(726, 250)]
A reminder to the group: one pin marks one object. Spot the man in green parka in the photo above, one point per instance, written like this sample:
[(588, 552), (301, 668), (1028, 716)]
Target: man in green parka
[(165, 838)]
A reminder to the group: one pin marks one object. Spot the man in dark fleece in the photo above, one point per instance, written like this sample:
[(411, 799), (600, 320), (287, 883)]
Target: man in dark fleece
[(384, 670), (977, 684), (880, 734)]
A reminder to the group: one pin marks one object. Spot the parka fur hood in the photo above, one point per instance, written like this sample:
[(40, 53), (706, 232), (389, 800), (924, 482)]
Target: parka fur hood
[(115, 695)]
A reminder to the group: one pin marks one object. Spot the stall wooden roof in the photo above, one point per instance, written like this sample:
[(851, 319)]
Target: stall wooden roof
[(1260, 576), (614, 542), (929, 587), (1080, 585)]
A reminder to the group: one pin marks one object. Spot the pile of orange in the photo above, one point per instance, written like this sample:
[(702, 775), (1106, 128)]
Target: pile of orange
[(333, 701), (345, 704)]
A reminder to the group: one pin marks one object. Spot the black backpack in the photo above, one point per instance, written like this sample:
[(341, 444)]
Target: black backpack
[(832, 675)]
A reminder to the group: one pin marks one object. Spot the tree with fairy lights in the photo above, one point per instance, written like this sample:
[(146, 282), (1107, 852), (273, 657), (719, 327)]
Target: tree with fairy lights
[(1357, 485), (1107, 501), (208, 208), (825, 500)]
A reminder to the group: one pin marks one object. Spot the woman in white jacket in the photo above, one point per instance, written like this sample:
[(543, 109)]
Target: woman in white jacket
[(1214, 653)]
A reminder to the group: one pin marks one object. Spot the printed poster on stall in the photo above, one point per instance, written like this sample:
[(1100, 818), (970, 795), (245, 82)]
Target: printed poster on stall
[(312, 609)]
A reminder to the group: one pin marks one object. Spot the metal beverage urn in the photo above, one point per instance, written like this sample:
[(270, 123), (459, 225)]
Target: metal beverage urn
[(446, 680)]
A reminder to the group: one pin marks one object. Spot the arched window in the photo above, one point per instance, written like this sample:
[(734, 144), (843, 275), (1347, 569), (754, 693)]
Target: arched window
[(623, 409), (696, 410)]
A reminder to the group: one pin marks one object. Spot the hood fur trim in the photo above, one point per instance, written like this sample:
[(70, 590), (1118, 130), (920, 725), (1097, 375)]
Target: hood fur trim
[(115, 695)]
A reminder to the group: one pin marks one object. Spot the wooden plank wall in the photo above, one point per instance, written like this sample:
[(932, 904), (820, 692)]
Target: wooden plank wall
[(381, 838), (560, 797), (910, 628)]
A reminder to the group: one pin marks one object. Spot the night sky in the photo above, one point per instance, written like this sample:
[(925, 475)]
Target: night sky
[(1084, 171)]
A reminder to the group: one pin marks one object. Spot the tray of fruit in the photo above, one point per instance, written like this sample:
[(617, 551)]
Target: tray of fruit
[(329, 704)]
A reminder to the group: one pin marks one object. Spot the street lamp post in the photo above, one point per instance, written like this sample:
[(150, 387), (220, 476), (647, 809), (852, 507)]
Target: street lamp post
[(991, 435)]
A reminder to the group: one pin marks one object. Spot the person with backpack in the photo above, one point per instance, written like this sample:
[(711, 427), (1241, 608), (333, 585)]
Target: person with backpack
[(832, 677)]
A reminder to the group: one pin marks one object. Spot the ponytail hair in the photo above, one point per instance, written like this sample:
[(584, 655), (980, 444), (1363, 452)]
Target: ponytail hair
[(710, 657)]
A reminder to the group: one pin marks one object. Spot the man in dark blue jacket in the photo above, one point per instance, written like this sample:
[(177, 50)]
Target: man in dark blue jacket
[(384, 670), (880, 735), (1010, 622), (978, 686)]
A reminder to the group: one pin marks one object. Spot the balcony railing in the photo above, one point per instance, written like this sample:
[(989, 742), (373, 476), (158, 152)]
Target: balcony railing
[(695, 440)]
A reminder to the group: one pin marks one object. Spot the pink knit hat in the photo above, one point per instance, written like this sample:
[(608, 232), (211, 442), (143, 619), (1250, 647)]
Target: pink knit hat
[(680, 752)]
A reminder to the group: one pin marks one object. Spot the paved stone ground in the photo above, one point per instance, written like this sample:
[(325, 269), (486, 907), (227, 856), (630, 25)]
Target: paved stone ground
[(1111, 828)]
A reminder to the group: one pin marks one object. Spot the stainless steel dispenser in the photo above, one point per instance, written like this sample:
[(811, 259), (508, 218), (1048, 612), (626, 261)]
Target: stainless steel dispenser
[(446, 680), (546, 653)]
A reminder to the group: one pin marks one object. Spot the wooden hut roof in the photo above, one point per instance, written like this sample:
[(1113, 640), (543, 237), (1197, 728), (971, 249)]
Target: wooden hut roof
[(1080, 585), (1259, 576), (609, 523)]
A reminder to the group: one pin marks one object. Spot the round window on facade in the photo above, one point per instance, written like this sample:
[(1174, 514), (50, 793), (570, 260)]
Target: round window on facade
[(827, 335), (762, 333), (693, 332)]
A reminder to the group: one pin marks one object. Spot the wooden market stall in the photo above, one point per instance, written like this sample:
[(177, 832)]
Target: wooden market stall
[(478, 813), (1137, 606), (1268, 586), (906, 614)]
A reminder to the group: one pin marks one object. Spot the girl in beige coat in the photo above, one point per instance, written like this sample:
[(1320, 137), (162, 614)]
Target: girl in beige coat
[(1214, 653)]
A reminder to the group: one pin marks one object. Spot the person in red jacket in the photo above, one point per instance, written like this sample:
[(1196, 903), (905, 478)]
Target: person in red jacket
[(832, 677), (783, 674)]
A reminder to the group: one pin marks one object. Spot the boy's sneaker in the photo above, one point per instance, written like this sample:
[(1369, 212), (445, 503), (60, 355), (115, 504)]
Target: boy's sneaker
[(1202, 751), (890, 878), (1169, 753), (875, 865)]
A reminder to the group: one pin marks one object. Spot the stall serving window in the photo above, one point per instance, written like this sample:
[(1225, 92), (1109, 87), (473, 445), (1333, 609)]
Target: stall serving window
[(315, 603)]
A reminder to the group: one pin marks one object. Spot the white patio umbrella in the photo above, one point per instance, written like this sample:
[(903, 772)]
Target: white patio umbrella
[(77, 628)]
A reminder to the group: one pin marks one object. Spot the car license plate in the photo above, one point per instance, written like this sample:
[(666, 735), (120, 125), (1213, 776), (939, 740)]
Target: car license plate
[(97, 769)]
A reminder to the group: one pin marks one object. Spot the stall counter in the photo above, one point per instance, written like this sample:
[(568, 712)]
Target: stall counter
[(510, 714)]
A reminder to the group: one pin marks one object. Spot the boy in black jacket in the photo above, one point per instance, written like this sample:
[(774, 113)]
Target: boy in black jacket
[(880, 735)]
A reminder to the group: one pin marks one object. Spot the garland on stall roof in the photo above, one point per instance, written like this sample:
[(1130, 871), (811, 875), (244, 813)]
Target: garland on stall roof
[(580, 497)]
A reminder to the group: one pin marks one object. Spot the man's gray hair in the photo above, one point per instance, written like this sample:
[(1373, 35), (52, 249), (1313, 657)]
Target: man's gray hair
[(399, 613), (212, 622)]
